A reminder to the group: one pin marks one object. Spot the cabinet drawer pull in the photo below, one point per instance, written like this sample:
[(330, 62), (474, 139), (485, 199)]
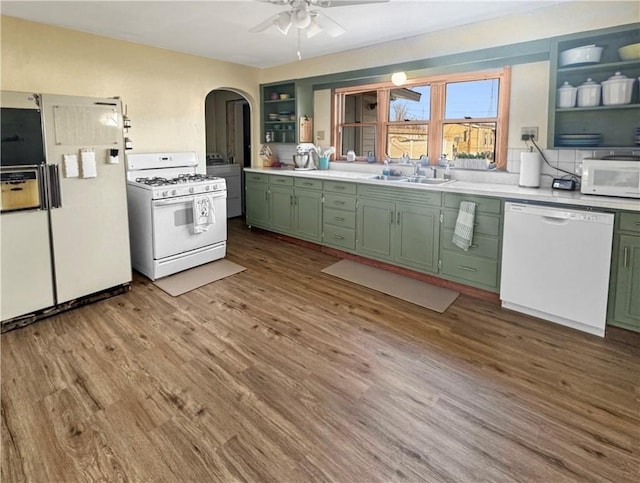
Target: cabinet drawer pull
[(339, 187), (637, 223), (307, 183), (626, 257), (266, 195), (467, 269), (397, 217), (338, 237), (338, 218), (338, 202), (280, 181)]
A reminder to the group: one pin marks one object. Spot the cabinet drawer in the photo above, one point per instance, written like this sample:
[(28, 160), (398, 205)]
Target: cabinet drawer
[(306, 183), (483, 225), (483, 205), (629, 222), (340, 187), (472, 269), (339, 237), (345, 219), (256, 177), (281, 180), (340, 202), (482, 246)]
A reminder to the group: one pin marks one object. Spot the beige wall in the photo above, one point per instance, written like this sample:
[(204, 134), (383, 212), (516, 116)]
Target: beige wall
[(164, 91)]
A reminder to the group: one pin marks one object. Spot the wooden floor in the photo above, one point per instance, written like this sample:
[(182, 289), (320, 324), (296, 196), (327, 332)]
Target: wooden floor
[(282, 373)]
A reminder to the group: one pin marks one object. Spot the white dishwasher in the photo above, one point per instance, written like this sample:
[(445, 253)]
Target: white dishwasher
[(555, 264)]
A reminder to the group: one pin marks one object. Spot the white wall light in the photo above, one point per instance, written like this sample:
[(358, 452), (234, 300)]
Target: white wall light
[(398, 78)]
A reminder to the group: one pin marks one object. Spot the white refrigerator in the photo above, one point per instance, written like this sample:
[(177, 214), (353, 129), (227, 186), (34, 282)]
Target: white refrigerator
[(75, 244)]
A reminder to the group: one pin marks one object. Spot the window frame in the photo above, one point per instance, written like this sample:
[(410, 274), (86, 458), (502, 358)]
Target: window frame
[(435, 123)]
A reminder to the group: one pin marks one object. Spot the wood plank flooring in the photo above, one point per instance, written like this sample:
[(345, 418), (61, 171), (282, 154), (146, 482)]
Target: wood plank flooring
[(282, 373)]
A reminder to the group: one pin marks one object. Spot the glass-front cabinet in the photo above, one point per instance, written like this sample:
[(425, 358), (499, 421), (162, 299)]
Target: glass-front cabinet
[(590, 111)]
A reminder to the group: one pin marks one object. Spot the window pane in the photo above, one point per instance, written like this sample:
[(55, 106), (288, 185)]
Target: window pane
[(473, 99), (361, 107), (469, 141), (362, 140), (412, 104), (408, 139)]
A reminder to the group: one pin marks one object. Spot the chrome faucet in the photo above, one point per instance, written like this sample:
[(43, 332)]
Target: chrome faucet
[(435, 171)]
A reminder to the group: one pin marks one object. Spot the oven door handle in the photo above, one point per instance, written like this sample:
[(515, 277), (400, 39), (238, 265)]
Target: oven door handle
[(183, 199)]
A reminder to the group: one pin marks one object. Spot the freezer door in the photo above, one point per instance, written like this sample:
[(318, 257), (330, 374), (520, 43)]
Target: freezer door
[(90, 232), (26, 277)]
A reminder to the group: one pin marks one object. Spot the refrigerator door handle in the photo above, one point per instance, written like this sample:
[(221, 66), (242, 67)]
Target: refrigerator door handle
[(55, 199), (42, 187)]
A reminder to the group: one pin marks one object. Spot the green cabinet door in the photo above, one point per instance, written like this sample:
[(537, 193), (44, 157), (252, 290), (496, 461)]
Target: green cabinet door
[(281, 209), (375, 222), (308, 214), (626, 312), (417, 234), (257, 204)]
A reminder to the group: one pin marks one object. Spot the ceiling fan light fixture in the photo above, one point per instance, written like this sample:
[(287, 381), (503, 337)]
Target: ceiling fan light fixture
[(301, 18), (283, 23), (313, 28), (398, 78)]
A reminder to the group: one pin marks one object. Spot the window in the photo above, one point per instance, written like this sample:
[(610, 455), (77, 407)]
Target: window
[(462, 116)]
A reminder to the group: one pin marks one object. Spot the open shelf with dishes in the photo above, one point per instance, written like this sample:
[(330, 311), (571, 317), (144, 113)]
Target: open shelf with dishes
[(612, 115), (279, 113)]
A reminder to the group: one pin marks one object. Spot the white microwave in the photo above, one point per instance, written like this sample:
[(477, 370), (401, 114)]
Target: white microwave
[(611, 177)]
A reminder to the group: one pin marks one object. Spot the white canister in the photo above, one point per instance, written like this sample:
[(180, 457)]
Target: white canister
[(617, 90), (567, 95), (351, 156), (589, 94)]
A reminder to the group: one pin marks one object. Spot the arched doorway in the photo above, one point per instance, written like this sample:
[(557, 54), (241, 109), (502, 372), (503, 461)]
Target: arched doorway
[(228, 126), (228, 142)]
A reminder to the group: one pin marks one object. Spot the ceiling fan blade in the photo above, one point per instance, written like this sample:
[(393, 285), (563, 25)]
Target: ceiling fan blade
[(343, 3), (333, 28), (264, 25)]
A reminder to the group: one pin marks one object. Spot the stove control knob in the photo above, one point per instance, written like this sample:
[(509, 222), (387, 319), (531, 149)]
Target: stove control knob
[(191, 190), (174, 192), (207, 188), (164, 194)]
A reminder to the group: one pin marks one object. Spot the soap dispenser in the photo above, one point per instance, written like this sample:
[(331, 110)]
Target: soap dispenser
[(386, 171)]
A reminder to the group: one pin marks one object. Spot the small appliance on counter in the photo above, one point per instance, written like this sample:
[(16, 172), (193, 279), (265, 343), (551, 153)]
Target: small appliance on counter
[(611, 176), (306, 157), (215, 159), (529, 170)]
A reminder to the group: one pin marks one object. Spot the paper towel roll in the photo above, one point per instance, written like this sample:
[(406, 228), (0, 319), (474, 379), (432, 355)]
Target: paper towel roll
[(530, 170)]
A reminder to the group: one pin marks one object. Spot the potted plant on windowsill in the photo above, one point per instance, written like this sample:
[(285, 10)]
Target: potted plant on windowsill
[(472, 160)]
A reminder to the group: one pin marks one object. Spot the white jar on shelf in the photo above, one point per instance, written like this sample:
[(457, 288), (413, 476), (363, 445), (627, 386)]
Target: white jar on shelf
[(589, 94), (566, 96)]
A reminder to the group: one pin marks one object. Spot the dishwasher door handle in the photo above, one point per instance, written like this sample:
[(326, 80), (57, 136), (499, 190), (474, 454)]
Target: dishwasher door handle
[(552, 220)]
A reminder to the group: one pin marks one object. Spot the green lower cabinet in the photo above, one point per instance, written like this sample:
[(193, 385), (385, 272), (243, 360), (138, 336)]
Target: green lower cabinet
[(375, 227), (257, 204), (416, 236), (626, 284), (403, 233), (281, 209), (307, 214)]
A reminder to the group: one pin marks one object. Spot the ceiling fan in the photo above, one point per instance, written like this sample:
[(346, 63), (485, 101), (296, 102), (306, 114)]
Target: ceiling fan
[(301, 16)]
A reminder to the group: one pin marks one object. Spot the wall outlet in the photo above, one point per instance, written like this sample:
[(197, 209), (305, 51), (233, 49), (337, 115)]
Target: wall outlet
[(529, 133)]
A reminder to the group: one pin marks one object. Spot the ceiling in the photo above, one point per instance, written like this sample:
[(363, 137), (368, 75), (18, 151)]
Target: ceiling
[(220, 29)]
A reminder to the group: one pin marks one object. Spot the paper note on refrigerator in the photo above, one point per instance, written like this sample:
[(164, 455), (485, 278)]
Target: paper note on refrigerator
[(88, 161), (70, 162)]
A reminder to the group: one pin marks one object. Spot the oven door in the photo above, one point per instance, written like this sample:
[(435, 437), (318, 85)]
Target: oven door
[(173, 230)]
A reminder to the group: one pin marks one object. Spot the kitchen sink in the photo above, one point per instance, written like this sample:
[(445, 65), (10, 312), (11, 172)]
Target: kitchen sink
[(390, 178), (435, 181)]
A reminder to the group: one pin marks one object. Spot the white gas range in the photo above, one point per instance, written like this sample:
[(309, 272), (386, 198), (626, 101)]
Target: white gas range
[(177, 217)]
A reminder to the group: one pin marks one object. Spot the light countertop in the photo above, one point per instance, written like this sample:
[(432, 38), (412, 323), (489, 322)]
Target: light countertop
[(505, 191)]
